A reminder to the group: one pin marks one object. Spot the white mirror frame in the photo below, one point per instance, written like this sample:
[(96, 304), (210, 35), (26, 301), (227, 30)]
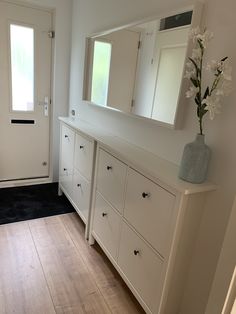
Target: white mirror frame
[(197, 9)]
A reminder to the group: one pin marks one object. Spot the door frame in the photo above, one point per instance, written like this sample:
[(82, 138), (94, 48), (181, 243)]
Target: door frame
[(49, 179), (231, 295)]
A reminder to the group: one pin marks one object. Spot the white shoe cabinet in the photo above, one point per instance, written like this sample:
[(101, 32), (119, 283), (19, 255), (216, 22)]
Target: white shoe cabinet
[(144, 218), (76, 168)]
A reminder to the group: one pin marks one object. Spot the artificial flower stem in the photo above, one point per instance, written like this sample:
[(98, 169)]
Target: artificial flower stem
[(200, 124), (200, 87)]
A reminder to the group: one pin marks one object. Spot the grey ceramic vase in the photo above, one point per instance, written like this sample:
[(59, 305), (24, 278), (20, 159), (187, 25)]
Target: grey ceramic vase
[(195, 161)]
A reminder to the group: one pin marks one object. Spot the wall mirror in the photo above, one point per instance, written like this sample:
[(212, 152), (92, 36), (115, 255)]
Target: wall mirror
[(138, 69)]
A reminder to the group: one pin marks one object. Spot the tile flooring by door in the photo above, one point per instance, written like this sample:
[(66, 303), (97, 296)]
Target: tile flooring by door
[(47, 267)]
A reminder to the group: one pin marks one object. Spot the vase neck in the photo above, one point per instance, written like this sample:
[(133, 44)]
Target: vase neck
[(200, 138)]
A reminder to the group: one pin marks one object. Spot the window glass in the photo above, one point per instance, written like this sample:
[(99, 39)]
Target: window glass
[(22, 67), (101, 71)]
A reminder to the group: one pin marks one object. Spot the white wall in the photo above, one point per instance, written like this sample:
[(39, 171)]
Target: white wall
[(61, 56), (225, 268), (92, 16)]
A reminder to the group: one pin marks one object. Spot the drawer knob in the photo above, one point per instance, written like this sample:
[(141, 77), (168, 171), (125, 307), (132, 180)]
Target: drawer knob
[(79, 185), (136, 252), (109, 168), (145, 195), (104, 214), (65, 169), (81, 147), (66, 136)]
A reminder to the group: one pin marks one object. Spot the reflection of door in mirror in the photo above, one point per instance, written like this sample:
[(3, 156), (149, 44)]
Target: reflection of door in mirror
[(159, 73), (171, 53), (146, 72), (114, 69)]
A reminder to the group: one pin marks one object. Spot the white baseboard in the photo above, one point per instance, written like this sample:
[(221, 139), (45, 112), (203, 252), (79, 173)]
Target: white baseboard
[(25, 182)]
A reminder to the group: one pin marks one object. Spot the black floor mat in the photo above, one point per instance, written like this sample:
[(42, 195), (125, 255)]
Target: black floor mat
[(30, 202)]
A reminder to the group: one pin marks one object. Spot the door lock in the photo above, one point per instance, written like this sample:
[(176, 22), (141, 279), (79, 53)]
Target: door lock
[(45, 103)]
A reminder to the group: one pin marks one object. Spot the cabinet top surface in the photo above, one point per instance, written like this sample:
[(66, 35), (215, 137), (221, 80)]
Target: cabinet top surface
[(138, 158)]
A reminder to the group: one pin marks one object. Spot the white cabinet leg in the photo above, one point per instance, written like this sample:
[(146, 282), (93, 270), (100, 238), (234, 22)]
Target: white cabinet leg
[(91, 240)]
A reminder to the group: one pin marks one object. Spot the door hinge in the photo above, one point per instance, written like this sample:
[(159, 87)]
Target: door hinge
[(51, 34), (139, 44)]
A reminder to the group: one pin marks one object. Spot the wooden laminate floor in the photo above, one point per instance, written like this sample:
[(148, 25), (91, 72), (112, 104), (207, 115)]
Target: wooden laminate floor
[(47, 267)]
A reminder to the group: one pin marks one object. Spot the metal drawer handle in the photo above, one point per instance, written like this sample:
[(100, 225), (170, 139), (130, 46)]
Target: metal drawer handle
[(104, 214), (136, 252), (109, 168), (145, 195), (79, 185), (81, 147)]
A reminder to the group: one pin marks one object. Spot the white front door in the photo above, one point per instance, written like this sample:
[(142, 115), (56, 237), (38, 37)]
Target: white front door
[(25, 79), (170, 58)]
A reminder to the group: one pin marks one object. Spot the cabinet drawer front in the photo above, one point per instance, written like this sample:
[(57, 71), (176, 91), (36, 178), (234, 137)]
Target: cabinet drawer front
[(84, 156), (67, 146), (141, 266), (106, 225), (81, 195), (65, 178), (149, 209), (111, 179)]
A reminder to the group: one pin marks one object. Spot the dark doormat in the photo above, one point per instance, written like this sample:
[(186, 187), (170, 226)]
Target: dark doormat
[(30, 202)]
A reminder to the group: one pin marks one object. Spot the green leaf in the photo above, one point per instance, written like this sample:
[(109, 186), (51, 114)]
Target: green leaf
[(204, 106), (201, 45), (207, 93), (204, 112), (195, 64), (194, 81), (197, 101), (225, 58), (198, 112)]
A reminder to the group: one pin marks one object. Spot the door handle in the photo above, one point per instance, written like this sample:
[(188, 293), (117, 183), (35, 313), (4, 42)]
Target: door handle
[(45, 103)]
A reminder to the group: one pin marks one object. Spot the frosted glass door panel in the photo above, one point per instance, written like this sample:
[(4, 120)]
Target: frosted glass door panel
[(169, 78), (22, 67)]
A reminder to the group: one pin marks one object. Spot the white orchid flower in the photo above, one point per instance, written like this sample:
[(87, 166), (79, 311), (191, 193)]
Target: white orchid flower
[(221, 83), (190, 74), (220, 68), (194, 32), (205, 38), (220, 92), (224, 88), (227, 72), (192, 92), (212, 66), (190, 71), (212, 105), (189, 65), (196, 54)]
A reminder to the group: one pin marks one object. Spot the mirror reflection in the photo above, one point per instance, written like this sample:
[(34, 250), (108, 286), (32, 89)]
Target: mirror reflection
[(139, 69)]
